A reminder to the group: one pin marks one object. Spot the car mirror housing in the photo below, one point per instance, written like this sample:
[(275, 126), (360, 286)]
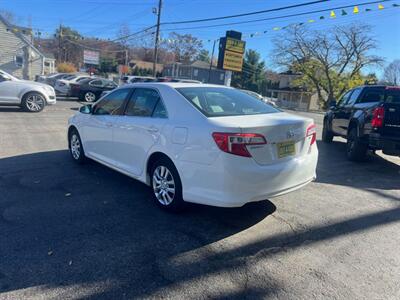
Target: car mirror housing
[(86, 109), (332, 103)]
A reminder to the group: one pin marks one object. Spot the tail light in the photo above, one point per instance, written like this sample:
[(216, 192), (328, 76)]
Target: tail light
[(377, 117), (312, 131), (236, 143)]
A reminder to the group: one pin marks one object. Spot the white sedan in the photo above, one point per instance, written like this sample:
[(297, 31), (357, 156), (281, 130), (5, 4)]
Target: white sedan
[(30, 95), (205, 144)]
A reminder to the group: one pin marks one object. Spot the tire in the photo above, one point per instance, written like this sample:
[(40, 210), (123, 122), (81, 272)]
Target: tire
[(166, 185), (90, 97), (327, 135), (33, 102), (76, 147), (356, 149)]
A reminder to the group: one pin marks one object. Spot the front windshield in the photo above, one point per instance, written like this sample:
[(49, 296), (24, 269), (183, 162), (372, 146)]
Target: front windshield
[(218, 102), (9, 76)]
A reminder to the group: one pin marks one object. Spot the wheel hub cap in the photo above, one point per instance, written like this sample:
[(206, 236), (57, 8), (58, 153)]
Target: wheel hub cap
[(75, 147), (35, 102), (163, 185)]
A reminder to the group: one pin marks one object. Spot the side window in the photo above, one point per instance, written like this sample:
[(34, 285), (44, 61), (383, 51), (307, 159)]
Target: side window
[(160, 111), (97, 83), (112, 104), (373, 95), (354, 96), (344, 98), (110, 84), (142, 102)]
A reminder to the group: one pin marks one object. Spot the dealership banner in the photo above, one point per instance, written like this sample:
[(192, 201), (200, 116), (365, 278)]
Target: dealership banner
[(91, 57)]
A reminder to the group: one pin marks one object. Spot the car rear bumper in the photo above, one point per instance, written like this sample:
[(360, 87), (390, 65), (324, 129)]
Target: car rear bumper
[(233, 181), (389, 145)]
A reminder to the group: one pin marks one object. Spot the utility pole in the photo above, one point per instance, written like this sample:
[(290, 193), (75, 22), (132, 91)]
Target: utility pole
[(126, 58), (211, 61), (157, 38), (59, 43)]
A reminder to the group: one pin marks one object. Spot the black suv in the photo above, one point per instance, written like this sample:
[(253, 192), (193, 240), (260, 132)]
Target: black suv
[(369, 117)]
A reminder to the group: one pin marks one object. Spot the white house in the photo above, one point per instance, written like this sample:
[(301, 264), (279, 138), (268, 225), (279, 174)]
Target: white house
[(18, 55)]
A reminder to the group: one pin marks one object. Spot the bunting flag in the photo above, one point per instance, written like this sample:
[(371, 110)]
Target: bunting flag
[(355, 10), (344, 13), (311, 21), (333, 15), (380, 6)]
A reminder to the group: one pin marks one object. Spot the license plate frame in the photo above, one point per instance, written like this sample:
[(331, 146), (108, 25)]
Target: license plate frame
[(285, 149)]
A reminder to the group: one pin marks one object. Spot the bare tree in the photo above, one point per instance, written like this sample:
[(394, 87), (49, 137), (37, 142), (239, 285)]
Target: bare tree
[(8, 15), (185, 46), (392, 73), (329, 60)]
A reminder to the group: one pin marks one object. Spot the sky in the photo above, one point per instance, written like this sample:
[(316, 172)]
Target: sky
[(103, 18)]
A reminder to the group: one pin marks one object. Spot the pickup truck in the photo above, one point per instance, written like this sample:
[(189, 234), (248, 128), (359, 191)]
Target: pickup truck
[(369, 118)]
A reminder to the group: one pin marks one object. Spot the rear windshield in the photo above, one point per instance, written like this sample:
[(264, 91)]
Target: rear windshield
[(393, 95), (381, 94), (219, 102)]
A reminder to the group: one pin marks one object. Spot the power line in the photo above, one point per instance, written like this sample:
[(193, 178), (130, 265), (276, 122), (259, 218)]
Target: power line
[(276, 18), (246, 14)]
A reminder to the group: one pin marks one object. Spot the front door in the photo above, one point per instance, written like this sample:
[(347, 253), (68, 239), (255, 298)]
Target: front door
[(8, 92), (339, 114), (139, 129), (98, 131)]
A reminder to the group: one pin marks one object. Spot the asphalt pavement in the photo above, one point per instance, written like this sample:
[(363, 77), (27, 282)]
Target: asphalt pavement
[(73, 232)]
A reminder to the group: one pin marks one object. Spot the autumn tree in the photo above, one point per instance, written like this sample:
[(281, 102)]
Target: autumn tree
[(391, 74), (330, 61)]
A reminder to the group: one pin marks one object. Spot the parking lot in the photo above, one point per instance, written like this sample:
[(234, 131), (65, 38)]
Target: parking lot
[(70, 231)]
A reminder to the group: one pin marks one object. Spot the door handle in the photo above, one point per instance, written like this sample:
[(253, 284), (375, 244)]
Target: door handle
[(152, 129)]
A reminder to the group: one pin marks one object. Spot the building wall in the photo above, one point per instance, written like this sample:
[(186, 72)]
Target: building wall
[(11, 46), (195, 73)]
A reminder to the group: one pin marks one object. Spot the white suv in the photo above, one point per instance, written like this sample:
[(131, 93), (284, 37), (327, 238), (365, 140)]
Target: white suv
[(30, 95)]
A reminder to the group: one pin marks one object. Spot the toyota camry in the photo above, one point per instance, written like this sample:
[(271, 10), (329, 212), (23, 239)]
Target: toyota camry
[(205, 144)]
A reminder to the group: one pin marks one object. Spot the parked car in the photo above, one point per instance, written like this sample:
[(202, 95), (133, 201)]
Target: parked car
[(30, 95), (90, 89), (369, 118), (206, 144), (51, 79), (134, 79), (63, 87), (260, 97)]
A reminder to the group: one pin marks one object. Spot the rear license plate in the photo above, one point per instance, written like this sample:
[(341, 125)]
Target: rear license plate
[(286, 149)]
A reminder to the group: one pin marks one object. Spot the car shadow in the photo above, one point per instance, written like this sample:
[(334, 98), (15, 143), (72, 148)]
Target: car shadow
[(67, 224), (11, 109), (374, 173)]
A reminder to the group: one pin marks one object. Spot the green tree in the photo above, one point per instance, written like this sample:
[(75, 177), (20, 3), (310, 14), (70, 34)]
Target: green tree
[(252, 76)]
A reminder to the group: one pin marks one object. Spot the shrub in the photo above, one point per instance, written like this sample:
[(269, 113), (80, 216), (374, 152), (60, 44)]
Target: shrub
[(66, 68)]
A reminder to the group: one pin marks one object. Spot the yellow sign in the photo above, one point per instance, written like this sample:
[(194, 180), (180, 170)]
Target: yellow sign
[(234, 45), (233, 61)]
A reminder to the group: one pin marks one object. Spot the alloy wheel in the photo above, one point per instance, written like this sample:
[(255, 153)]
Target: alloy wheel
[(163, 185), (75, 146), (35, 102), (90, 97)]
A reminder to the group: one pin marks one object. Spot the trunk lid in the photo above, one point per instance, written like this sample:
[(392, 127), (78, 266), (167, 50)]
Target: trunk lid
[(285, 135)]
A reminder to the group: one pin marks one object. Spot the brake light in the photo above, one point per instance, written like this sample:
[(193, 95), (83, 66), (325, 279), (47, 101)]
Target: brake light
[(377, 117), (312, 131), (235, 143)]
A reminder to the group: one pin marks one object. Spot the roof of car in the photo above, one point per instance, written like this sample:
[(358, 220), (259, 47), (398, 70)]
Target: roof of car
[(176, 84)]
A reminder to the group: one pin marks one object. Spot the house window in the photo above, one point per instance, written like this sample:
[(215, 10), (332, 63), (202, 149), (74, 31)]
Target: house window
[(19, 60), (221, 76), (195, 72), (46, 64)]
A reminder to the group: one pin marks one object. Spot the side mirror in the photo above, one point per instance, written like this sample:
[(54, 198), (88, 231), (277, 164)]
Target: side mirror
[(86, 109), (332, 103)]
